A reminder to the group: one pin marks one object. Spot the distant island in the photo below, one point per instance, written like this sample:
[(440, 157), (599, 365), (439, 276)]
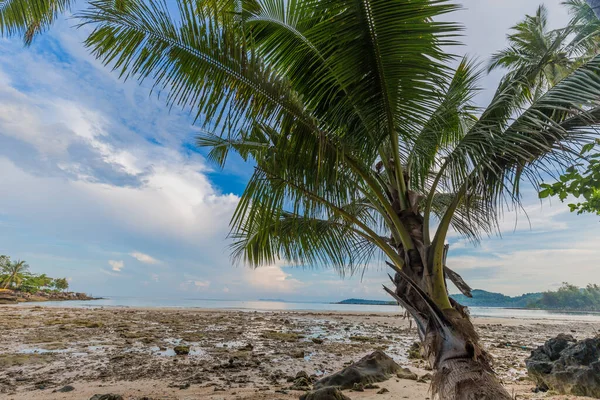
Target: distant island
[(481, 298), (368, 302), (567, 298)]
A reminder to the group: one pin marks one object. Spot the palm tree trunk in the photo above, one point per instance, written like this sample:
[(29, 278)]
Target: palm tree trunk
[(462, 368), (466, 379)]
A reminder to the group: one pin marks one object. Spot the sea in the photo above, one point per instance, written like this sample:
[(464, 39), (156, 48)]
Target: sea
[(263, 306)]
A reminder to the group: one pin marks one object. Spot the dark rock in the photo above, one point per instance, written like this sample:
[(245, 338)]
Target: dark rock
[(406, 373), (108, 396), (301, 383), (302, 374), (358, 387), (414, 352), (298, 353), (376, 367), (566, 366), (327, 393), (182, 350), (66, 389), (317, 340), (382, 391)]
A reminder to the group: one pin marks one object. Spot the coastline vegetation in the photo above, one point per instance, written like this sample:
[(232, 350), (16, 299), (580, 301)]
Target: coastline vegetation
[(15, 275), (570, 297)]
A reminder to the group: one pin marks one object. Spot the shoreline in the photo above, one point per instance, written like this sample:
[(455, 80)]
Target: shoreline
[(234, 355), (554, 315)]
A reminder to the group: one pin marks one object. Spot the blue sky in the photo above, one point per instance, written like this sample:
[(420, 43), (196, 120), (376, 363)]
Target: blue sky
[(101, 184)]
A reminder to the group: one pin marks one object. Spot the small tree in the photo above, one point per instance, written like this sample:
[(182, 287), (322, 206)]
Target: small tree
[(15, 272), (61, 284)]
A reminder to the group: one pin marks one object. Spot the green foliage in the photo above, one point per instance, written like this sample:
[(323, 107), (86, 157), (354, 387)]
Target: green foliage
[(28, 18), (570, 297), (15, 272), (581, 181), (15, 275), (482, 298), (60, 284)]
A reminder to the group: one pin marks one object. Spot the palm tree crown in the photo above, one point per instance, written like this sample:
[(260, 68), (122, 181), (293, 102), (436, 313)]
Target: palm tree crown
[(14, 272)]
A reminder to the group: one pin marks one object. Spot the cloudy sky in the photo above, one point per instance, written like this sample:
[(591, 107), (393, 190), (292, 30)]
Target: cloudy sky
[(101, 184)]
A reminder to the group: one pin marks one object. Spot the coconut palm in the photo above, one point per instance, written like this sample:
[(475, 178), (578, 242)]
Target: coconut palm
[(585, 26), (533, 43), (365, 142), (15, 273)]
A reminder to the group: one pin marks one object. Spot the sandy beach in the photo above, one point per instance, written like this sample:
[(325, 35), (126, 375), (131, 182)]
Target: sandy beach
[(234, 354)]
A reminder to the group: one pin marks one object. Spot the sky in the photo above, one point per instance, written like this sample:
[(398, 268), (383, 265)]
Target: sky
[(102, 184)]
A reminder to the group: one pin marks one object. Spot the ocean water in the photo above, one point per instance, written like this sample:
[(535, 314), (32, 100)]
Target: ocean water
[(493, 312)]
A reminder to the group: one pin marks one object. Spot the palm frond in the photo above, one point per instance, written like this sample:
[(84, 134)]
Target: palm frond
[(28, 18)]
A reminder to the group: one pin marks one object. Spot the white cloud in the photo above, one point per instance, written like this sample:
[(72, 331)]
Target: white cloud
[(116, 265), (202, 284), (271, 278), (145, 258), (155, 277)]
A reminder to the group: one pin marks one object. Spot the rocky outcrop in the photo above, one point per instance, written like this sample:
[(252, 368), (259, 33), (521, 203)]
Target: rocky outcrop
[(567, 366), (376, 367), (51, 296), (7, 296)]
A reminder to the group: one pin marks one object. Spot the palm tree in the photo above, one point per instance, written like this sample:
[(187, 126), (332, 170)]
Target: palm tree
[(533, 44), (585, 26), (15, 274), (362, 137)]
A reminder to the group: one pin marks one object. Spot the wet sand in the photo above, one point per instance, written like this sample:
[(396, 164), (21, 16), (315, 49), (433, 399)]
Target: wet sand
[(234, 354)]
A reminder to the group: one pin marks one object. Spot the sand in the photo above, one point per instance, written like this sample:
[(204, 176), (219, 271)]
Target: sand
[(234, 354)]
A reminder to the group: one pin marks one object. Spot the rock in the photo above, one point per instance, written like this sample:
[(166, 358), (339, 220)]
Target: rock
[(327, 393), (425, 378), (298, 353), (7, 296), (317, 340), (358, 387), (414, 352), (567, 366), (182, 350), (301, 383), (66, 389), (376, 367), (382, 391), (302, 374), (406, 373), (108, 396)]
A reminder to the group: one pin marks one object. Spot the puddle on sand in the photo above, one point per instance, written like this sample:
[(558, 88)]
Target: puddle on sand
[(43, 351), (194, 351)]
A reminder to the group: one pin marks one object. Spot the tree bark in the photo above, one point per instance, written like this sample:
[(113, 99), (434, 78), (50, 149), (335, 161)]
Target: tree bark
[(462, 368)]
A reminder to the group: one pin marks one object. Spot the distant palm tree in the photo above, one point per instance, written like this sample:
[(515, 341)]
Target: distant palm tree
[(15, 273), (585, 27), (533, 44)]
